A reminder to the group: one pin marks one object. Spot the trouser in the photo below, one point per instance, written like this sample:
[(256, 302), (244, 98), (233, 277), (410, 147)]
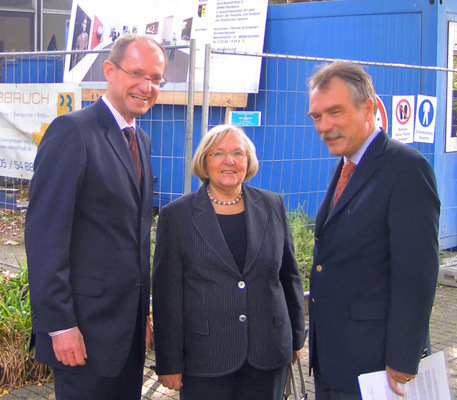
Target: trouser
[(247, 383)]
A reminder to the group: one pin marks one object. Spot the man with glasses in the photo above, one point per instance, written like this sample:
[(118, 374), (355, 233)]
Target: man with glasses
[(88, 233)]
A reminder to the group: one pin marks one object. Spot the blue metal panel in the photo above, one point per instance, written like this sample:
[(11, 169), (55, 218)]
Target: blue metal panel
[(32, 70)]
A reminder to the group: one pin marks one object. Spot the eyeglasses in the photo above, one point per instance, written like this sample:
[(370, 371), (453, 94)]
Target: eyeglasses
[(235, 155), (156, 81)]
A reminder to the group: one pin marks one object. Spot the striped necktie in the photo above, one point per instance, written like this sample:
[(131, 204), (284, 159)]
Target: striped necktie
[(133, 147)]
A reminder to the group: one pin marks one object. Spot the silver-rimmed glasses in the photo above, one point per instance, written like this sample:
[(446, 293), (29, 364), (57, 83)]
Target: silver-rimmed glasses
[(156, 81), (234, 155)]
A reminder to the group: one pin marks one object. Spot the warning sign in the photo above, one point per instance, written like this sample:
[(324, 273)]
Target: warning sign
[(381, 115), (402, 121)]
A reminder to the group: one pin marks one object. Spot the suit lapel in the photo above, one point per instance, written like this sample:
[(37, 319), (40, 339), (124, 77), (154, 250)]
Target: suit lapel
[(117, 141), (205, 222), (367, 166), (256, 223), (324, 208)]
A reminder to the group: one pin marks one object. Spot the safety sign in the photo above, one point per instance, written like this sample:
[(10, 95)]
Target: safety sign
[(381, 115), (425, 119), (403, 118)]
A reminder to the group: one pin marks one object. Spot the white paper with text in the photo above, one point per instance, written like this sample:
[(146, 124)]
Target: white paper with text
[(431, 382)]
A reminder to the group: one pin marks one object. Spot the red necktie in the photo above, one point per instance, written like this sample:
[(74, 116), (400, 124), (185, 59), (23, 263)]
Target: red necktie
[(346, 172), (133, 147)]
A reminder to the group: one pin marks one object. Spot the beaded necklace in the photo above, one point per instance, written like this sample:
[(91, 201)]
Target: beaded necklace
[(223, 203)]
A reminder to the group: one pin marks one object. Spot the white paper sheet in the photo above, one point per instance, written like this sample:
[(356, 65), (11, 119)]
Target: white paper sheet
[(431, 382)]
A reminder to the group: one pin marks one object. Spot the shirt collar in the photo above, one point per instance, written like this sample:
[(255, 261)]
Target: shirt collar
[(117, 115), (359, 154)]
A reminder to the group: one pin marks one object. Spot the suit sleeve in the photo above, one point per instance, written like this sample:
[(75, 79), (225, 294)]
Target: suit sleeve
[(291, 281), (167, 299), (59, 167), (413, 223)]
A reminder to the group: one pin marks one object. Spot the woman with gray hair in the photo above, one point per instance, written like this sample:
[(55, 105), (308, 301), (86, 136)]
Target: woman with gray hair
[(227, 295)]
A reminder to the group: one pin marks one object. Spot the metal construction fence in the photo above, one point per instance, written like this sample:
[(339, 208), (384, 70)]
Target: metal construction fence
[(293, 160)]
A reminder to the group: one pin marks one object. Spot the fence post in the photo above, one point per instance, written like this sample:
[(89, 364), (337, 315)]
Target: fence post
[(205, 100), (190, 118)]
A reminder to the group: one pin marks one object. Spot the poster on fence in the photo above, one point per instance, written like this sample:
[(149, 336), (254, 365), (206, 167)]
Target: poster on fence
[(227, 25), (451, 119), (26, 110)]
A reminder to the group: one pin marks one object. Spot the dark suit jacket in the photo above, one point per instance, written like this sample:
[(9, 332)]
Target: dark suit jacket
[(200, 296), (375, 266), (87, 238)]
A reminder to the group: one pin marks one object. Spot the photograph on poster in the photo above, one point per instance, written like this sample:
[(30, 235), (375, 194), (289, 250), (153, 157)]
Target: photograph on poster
[(152, 28), (80, 35), (97, 33), (186, 29)]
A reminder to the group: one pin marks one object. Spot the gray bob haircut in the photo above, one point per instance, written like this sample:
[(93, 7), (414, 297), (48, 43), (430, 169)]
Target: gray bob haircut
[(212, 139), (356, 78)]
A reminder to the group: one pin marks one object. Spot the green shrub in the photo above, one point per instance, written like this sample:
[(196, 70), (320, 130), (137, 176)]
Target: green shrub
[(17, 365), (303, 233)]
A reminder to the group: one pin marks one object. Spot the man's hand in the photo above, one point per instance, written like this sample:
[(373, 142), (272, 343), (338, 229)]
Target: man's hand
[(173, 382), (394, 377), (297, 355), (69, 347)]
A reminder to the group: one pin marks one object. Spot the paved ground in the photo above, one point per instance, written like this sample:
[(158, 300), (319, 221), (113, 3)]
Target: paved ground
[(443, 336)]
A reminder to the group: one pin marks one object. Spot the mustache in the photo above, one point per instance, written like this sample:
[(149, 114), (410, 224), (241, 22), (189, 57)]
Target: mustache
[(332, 135)]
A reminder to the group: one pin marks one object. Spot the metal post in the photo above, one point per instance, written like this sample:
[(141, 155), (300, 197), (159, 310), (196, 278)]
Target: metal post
[(190, 118), (205, 100)]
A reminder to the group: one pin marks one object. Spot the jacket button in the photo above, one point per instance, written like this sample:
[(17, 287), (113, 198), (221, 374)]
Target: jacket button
[(242, 318), (319, 268), (241, 284)]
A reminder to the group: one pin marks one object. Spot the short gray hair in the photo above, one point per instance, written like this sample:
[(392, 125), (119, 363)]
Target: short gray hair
[(213, 138), (356, 78)]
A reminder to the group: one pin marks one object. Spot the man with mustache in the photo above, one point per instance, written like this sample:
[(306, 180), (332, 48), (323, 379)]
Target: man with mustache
[(375, 264), (87, 233)]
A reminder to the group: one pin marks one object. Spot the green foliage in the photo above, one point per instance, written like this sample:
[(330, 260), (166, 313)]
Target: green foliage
[(17, 365), (15, 320), (447, 255), (303, 233)]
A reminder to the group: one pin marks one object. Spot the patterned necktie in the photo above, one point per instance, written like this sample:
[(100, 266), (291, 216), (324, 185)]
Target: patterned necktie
[(133, 147), (346, 172)]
